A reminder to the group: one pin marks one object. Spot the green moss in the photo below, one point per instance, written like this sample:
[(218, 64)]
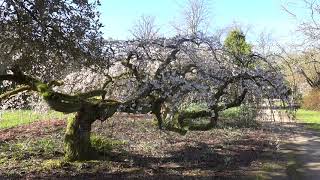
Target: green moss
[(47, 94), (77, 141), (53, 164), (70, 126), (41, 87), (70, 143), (44, 90)]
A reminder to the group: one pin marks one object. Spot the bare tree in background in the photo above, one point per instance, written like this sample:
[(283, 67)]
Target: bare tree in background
[(195, 17), (307, 62), (145, 28)]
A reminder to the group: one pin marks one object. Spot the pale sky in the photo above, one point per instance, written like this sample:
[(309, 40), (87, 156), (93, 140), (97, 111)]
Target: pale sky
[(118, 16)]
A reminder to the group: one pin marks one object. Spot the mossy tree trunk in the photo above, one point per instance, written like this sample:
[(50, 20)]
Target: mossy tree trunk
[(77, 136), (87, 109), (156, 110), (214, 118)]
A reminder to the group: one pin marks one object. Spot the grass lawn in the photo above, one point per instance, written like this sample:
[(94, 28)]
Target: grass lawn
[(310, 117), (9, 119)]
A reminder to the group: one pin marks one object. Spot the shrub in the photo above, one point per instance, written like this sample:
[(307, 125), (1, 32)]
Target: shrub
[(311, 101), (241, 117)]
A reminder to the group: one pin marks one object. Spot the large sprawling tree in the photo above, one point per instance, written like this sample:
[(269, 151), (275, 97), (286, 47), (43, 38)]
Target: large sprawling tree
[(44, 42)]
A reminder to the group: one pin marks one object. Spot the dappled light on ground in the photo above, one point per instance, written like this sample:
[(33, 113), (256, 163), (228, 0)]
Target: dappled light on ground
[(138, 150), (135, 148)]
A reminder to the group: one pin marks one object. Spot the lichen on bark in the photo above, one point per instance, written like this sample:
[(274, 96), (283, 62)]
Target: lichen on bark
[(77, 139)]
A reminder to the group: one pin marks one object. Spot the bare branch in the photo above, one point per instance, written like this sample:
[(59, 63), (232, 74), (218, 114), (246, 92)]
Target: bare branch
[(145, 28)]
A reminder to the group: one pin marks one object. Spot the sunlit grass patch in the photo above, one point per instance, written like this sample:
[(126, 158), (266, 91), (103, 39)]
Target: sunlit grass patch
[(231, 113), (13, 118), (195, 107), (308, 116), (44, 147), (104, 145), (312, 118), (271, 166)]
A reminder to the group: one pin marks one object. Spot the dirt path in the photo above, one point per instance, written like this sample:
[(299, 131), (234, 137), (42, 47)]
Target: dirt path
[(300, 145)]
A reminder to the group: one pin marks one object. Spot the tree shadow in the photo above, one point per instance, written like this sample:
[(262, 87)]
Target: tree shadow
[(199, 161), (195, 161), (301, 152)]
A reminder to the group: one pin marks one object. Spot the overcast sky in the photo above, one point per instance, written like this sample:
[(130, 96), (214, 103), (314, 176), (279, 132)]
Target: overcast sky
[(118, 16)]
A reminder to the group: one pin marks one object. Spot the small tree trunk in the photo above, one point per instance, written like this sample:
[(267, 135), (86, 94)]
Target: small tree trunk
[(214, 119), (77, 138)]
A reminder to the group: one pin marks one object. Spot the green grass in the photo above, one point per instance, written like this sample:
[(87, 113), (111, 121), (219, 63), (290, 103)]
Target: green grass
[(240, 117), (231, 113), (104, 145), (9, 119), (44, 147), (312, 118), (194, 107)]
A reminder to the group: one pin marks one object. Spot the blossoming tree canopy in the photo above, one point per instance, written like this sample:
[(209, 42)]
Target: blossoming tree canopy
[(55, 48)]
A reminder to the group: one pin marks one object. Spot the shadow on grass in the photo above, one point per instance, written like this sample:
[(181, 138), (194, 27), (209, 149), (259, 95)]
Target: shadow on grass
[(192, 160), (197, 161)]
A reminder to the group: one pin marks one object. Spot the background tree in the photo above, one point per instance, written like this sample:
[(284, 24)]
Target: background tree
[(194, 18), (236, 44), (305, 59), (145, 28), (308, 48)]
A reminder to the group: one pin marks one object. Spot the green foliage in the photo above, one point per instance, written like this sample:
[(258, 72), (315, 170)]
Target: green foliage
[(231, 113), (236, 43), (195, 107), (241, 117), (9, 119)]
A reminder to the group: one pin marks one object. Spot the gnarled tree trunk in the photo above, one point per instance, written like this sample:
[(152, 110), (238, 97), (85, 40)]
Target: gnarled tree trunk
[(77, 136)]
